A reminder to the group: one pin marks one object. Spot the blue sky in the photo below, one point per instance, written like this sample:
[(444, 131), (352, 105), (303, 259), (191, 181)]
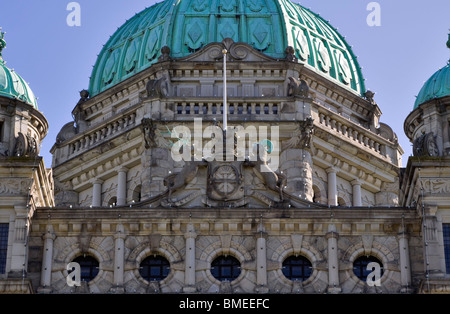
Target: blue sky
[(397, 57)]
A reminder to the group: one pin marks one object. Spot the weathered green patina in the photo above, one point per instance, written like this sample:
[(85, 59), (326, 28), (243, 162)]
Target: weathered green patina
[(185, 26), (12, 84), (437, 86)]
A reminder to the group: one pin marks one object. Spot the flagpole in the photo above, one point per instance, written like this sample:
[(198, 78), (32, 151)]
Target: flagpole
[(225, 107)]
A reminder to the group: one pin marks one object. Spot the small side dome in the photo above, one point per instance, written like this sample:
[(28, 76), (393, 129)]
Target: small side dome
[(12, 84), (437, 86)]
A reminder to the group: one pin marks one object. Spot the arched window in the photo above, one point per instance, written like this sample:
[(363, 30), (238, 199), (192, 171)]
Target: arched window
[(112, 201), (137, 194), (341, 202), (225, 268), (154, 268), (297, 268), (360, 266), (88, 266), (316, 195)]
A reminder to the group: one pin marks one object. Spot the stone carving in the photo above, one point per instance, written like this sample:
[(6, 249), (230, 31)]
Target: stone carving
[(165, 54), (84, 96), (298, 88), (290, 54), (80, 119), (236, 51), (157, 88), (302, 135), (225, 181), (176, 181), (271, 179), (14, 186), (369, 96), (25, 146), (152, 136), (425, 145), (435, 186)]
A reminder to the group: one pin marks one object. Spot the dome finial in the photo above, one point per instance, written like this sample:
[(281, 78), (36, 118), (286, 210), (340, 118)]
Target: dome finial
[(2, 42), (448, 41)]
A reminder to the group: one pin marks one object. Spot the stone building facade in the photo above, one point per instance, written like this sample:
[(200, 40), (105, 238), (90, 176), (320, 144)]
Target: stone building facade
[(287, 183)]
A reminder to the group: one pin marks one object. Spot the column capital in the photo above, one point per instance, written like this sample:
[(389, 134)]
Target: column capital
[(332, 234), (190, 232), (331, 169), (49, 235), (403, 235), (261, 235), (122, 169), (356, 182), (98, 181), (120, 232)]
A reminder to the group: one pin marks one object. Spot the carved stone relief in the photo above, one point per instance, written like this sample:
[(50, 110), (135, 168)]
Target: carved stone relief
[(425, 145)]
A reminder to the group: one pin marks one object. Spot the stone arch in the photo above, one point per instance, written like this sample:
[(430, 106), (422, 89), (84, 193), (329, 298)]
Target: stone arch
[(74, 250), (343, 199), (375, 249), (134, 192), (145, 249), (320, 191), (313, 283), (216, 249), (109, 197)]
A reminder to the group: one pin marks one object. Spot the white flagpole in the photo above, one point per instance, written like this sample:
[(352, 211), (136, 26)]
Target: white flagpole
[(225, 107)]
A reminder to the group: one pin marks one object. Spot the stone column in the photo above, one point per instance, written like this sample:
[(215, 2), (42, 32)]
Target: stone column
[(47, 261), (19, 244), (405, 268), (332, 188), (433, 252), (296, 166), (261, 263), (356, 184), (333, 261), (122, 186), (189, 273), (119, 262), (97, 193)]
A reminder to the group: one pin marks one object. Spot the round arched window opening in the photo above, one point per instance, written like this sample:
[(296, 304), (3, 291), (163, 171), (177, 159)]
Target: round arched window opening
[(89, 267), (112, 201), (225, 268), (137, 194), (154, 268), (361, 270), (297, 268)]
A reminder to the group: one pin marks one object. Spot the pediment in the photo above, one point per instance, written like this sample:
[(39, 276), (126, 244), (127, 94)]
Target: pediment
[(235, 51)]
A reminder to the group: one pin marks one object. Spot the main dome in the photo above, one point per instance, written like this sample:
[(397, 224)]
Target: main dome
[(185, 26)]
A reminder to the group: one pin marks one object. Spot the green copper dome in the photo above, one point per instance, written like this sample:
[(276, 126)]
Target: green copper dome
[(185, 26), (437, 86), (12, 84)]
